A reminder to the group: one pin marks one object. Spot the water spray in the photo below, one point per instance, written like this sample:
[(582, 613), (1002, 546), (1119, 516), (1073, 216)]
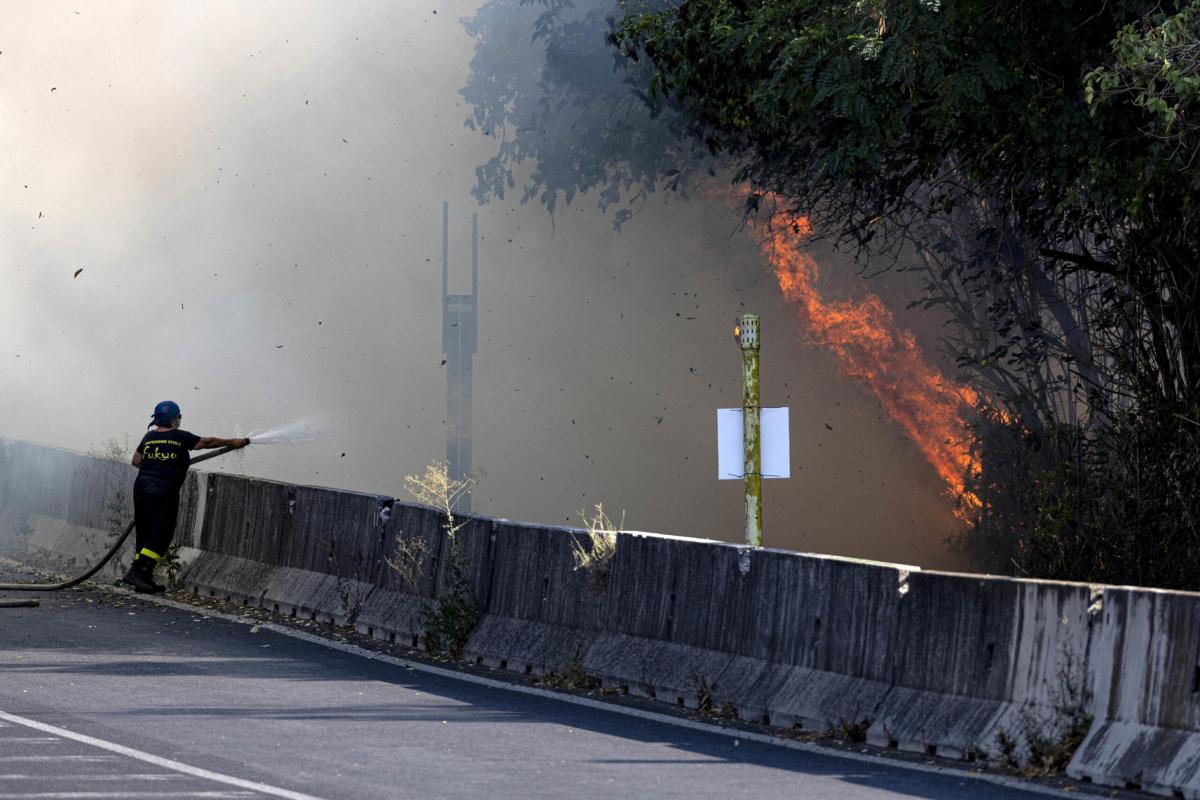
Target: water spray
[(112, 551), (301, 431)]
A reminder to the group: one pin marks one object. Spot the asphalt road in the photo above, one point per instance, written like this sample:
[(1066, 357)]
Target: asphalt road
[(165, 703)]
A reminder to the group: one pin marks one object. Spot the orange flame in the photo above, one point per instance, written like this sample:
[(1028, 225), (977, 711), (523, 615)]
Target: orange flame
[(869, 347)]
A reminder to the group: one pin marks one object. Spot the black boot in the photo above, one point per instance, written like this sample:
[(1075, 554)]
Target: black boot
[(141, 576)]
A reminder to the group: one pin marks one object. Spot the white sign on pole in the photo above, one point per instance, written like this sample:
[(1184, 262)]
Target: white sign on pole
[(774, 443)]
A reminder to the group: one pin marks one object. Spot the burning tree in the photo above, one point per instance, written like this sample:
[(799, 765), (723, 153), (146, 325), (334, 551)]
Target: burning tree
[(1054, 210), (1034, 161)]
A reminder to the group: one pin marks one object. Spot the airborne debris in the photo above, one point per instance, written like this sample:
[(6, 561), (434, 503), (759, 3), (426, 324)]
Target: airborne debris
[(76, 275)]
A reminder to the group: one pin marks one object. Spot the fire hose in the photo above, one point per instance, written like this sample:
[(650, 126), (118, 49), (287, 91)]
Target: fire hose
[(67, 584)]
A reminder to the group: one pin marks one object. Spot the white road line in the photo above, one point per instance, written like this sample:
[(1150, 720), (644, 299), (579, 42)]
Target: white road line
[(653, 716), (134, 776), (30, 739), (157, 761), (150, 795), (57, 758)]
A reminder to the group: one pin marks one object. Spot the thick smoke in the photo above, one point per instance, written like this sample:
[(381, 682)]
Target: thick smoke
[(253, 194)]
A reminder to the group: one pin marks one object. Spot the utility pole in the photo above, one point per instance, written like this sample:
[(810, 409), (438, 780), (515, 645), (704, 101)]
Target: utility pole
[(747, 336), (459, 341)]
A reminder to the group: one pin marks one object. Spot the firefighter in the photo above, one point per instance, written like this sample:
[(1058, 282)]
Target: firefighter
[(162, 458)]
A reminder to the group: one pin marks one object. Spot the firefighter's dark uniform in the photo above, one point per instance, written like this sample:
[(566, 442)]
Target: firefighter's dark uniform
[(166, 456)]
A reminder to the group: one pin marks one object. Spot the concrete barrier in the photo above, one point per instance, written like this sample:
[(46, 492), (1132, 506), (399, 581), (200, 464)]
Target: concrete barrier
[(1144, 678), (324, 554), (298, 550), (673, 621), (963, 666), (541, 614), (984, 665), (698, 623), (64, 506), (826, 633), (55, 483), (327, 555)]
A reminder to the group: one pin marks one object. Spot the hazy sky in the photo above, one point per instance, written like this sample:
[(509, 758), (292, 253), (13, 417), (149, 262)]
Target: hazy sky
[(253, 193)]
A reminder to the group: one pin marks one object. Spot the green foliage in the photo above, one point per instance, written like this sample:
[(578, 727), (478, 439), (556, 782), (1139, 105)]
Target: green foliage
[(1051, 755), (171, 565), (449, 621), (1156, 67), (1115, 504), (849, 108), (571, 677), (1046, 742), (882, 119)]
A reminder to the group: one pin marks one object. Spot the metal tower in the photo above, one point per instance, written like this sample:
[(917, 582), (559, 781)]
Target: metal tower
[(459, 341)]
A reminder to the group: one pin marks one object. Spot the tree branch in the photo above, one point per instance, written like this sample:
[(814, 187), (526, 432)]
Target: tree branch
[(1088, 262)]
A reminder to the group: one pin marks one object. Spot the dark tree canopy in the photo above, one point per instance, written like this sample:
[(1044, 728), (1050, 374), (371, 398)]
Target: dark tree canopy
[(1040, 157), (868, 115), (569, 115)]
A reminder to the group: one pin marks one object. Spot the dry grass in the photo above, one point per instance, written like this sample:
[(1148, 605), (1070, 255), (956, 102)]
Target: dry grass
[(571, 677), (596, 556), (449, 620), (434, 487), (408, 560)]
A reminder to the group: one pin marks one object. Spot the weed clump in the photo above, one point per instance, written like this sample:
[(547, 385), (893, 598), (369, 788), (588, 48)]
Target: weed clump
[(596, 557), (408, 560), (449, 620), (1050, 739), (571, 677), (351, 590)]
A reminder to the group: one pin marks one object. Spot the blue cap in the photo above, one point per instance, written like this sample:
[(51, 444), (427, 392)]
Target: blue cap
[(166, 411)]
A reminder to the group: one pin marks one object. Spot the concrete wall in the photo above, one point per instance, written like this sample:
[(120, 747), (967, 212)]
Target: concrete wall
[(964, 666), (64, 503), (1144, 678)]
